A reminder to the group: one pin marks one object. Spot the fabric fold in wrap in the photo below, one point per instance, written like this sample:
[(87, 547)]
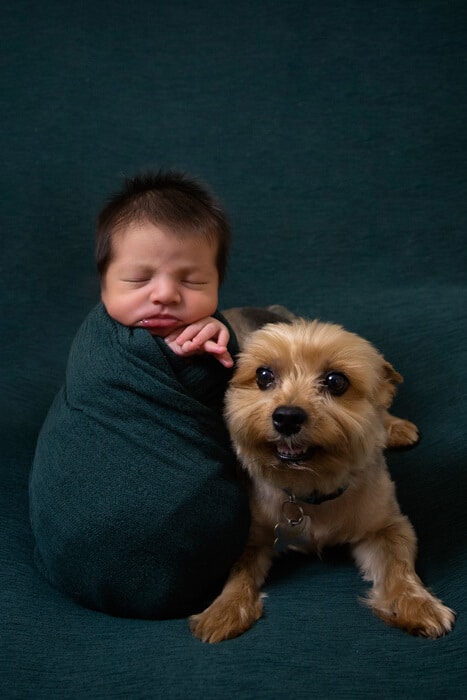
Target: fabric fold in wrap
[(136, 505)]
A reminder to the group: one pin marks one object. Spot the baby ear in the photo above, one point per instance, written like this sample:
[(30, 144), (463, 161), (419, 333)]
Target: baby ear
[(388, 385)]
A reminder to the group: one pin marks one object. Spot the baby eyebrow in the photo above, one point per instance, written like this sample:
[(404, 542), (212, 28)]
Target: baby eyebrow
[(136, 270)]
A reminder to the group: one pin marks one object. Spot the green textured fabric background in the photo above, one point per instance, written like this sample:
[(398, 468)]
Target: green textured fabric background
[(335, 134)]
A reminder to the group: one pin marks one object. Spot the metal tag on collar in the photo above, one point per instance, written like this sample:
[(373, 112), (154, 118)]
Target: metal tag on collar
[(290, 534)]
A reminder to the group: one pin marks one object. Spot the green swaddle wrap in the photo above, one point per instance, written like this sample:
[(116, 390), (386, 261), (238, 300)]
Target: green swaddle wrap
[(135, 502)]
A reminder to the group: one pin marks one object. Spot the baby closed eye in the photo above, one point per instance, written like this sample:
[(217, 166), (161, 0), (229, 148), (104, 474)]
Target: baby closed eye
[(194, 283), (137, 281)]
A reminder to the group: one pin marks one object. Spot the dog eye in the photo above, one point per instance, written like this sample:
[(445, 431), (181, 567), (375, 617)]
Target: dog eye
[(336, 382), (265, 377)]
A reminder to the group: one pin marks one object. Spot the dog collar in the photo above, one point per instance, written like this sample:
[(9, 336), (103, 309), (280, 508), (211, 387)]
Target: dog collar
[(315, 498)]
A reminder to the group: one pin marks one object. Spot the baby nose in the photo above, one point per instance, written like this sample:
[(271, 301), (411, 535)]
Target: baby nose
[(288, 419), (165, 291)]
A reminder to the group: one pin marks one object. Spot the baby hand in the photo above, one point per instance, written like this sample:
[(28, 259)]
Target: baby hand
[(206, 335)]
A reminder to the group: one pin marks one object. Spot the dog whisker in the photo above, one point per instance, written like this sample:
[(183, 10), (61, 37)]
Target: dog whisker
[(295, 466)]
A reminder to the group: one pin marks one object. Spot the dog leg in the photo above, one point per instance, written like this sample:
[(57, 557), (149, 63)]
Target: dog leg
[(400, 432), (239, 605), (398, 596)]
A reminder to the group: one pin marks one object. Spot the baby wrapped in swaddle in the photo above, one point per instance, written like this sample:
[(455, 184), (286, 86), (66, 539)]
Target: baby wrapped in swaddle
[(135, 503)]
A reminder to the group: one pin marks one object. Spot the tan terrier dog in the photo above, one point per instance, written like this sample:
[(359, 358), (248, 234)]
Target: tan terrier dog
[(307, 412)]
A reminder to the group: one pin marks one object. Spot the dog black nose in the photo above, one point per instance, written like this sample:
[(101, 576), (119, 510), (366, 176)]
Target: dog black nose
[(288, 419)]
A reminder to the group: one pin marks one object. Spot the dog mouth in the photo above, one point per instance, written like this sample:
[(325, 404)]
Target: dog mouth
[(294, 455)]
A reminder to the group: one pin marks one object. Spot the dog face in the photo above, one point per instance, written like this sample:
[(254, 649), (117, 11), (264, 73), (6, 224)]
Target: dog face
[(306, 402)]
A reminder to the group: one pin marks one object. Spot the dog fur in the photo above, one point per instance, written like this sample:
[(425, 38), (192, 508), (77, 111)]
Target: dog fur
[(307, 411)]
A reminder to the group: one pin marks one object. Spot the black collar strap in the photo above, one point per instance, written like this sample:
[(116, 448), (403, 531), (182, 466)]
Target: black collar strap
[(315, 498)]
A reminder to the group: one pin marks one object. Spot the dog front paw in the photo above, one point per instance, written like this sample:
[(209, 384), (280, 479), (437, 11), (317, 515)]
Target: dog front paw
[(225, 619), (420, 615)]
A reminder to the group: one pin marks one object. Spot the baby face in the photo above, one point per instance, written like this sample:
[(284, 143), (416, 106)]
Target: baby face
[(158, 281)]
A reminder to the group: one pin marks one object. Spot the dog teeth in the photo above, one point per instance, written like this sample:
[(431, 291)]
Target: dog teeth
[(291, 453)]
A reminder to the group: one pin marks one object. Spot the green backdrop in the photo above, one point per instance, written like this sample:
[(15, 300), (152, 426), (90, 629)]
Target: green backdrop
[(335, 134)]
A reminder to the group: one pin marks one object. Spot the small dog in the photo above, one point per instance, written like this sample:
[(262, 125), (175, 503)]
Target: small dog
[(307, 412)]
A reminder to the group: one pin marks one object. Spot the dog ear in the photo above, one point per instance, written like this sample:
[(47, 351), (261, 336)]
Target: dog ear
[(388, 386)]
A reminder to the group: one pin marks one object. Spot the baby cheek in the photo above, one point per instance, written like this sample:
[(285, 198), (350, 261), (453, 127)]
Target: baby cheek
[(206, 303), (121, 308)]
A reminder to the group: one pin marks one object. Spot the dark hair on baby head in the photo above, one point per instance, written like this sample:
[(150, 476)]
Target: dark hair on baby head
[(170, 199)]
